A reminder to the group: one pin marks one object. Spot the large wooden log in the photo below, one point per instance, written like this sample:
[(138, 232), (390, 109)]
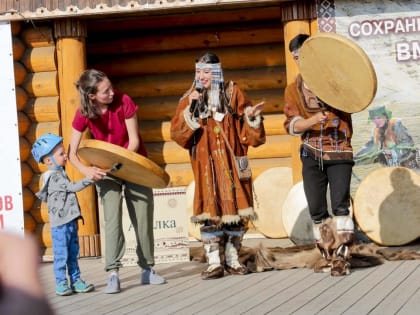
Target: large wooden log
[(274, 102), (71, 61), (184, 40), (23, 123), (182, 175), (38, 129), (26, 174), (35, 182), (291, 29), (40, 211), (28, 199), (177, 84), (16, 28), (24, 148), (171, 152), (20, 72), (29, 222), (159, 131), (18, 48), (40, 59), (43, 234), (21, 98), (41, 36), (193, 20), (43, 109), (182, 61), (41, 84)]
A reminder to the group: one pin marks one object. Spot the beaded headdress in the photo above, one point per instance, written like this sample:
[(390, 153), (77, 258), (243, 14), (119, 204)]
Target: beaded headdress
[(217, 81)]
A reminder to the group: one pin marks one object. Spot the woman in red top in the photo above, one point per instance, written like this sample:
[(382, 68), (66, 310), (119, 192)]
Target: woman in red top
[(112, 117)]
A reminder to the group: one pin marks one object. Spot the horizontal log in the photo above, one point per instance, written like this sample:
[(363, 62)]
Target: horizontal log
[(41, 36), (43, 109), (23, 123), (39, 212), (20, 72), (37, 167), (273, 98), (182, 175), (186, 39), (29, 222), (40, 59), (26, 174), (38, 129), (24, 148), (41, 84), (182, 61), (28, 199), (18, 48), (178, 83), (43, 234), (160, 131), (171, 152), (193, 20), (35, 182), (21, 98)]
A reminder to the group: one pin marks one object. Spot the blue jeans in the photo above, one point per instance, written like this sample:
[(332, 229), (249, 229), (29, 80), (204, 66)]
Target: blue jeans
[(66, 252)]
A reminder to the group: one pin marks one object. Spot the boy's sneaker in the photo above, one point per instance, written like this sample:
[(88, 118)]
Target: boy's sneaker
[(113, 285), (63, 289), (149, 276), (82, 287)]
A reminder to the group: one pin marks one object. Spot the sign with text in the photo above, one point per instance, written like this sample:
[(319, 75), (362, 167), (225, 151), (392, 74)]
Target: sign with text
[(11, 203), (170, 228)]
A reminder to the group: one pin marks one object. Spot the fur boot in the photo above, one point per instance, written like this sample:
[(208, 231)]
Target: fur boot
[(234, 238), (213, 243)]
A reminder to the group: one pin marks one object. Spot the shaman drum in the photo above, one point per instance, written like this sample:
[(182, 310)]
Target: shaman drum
[(338, 72), (387, 206), (296, 219), (271, 188), (193, 229), (123, 163)]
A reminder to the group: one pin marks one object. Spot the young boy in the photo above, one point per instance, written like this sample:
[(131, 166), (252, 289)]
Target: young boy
[(63, 210)]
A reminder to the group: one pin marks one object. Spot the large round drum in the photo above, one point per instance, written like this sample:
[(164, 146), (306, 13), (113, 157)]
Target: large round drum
[(271, 188), (387, 206), (338, 71), (125, 164), (296, 219)]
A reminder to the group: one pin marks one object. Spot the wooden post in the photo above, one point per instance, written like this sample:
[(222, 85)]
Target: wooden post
[(71, 60)]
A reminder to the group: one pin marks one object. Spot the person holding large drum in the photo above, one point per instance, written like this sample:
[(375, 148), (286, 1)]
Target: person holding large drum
[(112, 117), (326, 153)]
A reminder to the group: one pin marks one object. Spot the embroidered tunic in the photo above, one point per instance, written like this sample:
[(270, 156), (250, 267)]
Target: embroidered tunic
[(219, 194), (332, 141)]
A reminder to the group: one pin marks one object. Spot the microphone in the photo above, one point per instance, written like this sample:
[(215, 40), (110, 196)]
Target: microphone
[(198, 88)]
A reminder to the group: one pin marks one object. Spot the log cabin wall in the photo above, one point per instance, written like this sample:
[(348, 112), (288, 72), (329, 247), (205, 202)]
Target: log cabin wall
[(38, 111), (152, 59)]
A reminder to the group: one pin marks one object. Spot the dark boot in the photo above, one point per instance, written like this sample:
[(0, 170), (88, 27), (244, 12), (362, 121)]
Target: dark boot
[(212, 239), (234, 238)]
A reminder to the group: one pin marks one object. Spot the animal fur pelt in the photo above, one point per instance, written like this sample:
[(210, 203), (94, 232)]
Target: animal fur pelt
[(261, 258)]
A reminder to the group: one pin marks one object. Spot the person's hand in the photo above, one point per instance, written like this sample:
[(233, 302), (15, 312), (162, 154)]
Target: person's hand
[(193, 96), (320, 117), (94, 173), (253, 111)]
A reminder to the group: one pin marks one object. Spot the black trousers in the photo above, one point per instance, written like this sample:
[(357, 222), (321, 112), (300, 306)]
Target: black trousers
[(336, 174)]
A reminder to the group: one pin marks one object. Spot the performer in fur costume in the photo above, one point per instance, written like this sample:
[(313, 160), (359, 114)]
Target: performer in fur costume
[(217, 123)]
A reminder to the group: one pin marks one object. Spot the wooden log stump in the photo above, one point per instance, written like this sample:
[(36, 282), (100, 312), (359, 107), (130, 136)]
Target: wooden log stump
[(40, 59), (41, 84)]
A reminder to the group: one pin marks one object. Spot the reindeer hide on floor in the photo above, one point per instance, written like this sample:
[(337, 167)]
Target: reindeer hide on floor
[(331, 254), (260, 258)]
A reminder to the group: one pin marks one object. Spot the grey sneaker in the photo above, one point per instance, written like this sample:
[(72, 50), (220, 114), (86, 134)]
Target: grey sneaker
[(113, 285), (149, 276)]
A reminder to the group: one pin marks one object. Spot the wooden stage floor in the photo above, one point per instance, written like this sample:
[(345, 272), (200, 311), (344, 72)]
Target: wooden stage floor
[(392, 288)]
